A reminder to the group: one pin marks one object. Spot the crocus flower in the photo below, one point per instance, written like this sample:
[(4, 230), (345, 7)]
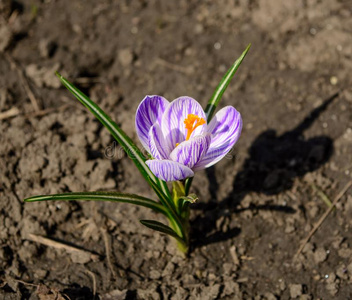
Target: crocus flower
[(179, 139)]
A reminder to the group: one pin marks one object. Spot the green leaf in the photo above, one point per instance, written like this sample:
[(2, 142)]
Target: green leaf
[(216, 97), (178, 190), (188, 183), (127, 144), (185, 201), (191, 198), (155, 225), (103, 196), (173, 216), (164, 188), (225, 81)]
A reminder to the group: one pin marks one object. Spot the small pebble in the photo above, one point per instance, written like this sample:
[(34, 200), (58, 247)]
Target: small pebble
[(313, 31), (198, 29), (333, 80), (217, 46), (316, 277), (282, 285)]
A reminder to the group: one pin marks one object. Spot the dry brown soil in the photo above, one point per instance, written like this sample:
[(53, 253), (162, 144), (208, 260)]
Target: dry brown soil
[(294, 91)]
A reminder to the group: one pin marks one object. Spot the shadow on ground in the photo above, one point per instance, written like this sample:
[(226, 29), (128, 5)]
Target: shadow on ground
[(273, 164)]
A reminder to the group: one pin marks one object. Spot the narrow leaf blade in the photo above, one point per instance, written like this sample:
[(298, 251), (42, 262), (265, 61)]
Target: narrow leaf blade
[(127, 144), (216, 97), (158, 226), (184, 202), (225, 81), (170, 205), (103, 196)]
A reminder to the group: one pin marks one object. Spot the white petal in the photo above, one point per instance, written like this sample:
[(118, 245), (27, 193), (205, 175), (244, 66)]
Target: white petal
[(225, 128), (169, 170), (149, 111), (190, 152), (172, 122), (157, 144)]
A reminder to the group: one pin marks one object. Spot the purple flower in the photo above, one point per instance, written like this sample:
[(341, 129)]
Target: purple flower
[(178, 137)]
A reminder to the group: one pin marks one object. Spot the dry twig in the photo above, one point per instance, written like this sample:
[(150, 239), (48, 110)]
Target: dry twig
[(25, 83), (13, 17), (321, 194), (291, 195), (108, 251), (55, 244), (91, 274), (25, 283), (234, 255), (12, 112), (44, 112), (186, 70), (324, 216)]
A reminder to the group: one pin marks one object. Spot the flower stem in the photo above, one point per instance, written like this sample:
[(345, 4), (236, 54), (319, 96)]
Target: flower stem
[(183, 211), (183, 247)]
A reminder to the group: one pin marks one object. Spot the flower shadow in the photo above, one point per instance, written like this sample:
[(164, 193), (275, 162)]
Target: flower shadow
[(274, 161)]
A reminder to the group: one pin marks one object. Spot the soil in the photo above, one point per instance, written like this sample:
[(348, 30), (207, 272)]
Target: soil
[(294, 91)]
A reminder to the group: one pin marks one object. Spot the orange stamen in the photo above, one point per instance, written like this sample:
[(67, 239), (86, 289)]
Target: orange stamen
[(191, 123)]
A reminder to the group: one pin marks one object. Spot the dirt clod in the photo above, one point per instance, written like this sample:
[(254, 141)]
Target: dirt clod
[(255, 206), (320, 255), (296, 290)]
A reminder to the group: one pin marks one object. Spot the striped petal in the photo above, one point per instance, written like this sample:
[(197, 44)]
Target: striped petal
[(172, 122), (157, 145), (225, 129), (149, 111), (190, 152), (169, 170)]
